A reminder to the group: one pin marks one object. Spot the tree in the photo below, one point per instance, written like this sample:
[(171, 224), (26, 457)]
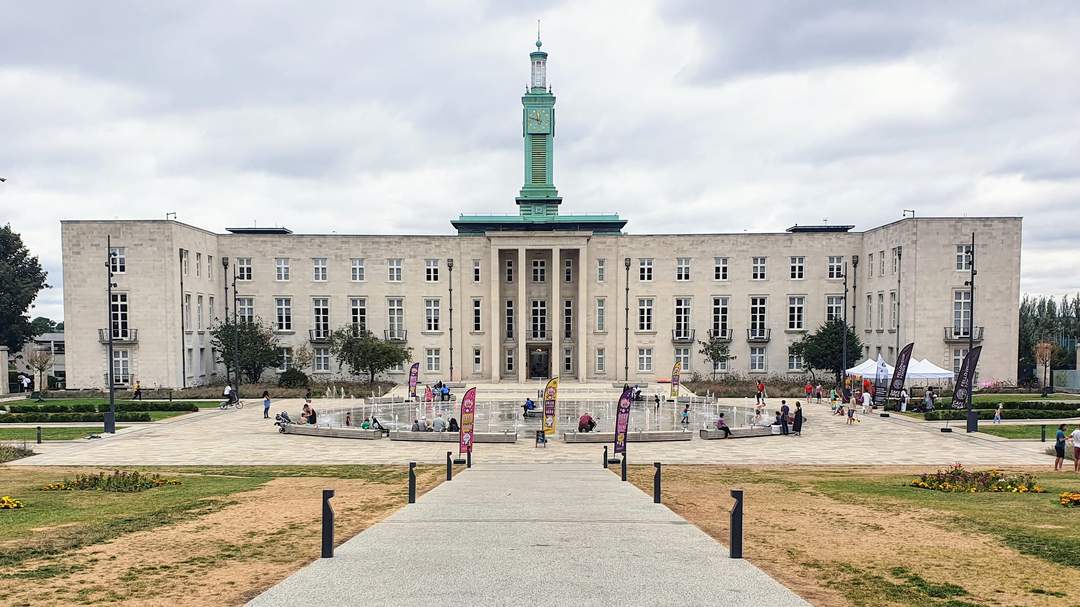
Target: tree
[(40, 361), (824, 348), (716, 351), (302, 357), (1044, 353), (362, 352), (257, 342), (41, 325), (21, 277)]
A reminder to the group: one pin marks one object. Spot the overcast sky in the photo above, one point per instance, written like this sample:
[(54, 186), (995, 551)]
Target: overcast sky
[(681, 116)]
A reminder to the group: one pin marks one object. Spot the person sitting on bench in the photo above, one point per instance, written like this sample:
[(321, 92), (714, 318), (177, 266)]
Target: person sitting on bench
[(586, 423), (453, 427), (721, 425)]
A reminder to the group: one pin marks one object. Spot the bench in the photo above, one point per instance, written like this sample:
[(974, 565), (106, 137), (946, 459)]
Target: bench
[(736, 433), (452, 437), (647, 436), (337, 432)]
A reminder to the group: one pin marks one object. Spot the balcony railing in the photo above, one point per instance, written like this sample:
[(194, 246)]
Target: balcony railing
[(722, 335), (682, 336), (118, 379), (130, 336), (758, 335), (400, 335), (958, 334), (319, 335)]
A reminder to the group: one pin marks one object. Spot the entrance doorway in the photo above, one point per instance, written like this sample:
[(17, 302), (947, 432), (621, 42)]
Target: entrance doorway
[(539, 362)]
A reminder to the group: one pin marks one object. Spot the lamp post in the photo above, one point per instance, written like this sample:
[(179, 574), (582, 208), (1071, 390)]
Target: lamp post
[(972, 416), (236, 331), (626, 323), (843, 310), (110, 415), (225, 276), (450, 282), (899, 270)]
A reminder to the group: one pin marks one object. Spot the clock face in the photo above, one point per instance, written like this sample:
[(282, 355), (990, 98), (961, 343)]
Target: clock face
[(538, 121)]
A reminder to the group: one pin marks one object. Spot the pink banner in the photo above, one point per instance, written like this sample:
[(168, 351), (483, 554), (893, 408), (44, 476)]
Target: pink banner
[(468, 414), (622, 420), (414, 373)]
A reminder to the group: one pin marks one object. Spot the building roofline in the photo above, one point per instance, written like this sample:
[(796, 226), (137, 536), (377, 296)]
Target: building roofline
[(171, 221), (946, 218)]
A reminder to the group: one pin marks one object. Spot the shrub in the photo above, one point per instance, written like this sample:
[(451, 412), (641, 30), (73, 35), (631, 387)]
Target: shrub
[(11, 452), (1006, 414), (959, 480), (9, 503), (293, 378), (1070, 499), (117, 482), (15, 418)]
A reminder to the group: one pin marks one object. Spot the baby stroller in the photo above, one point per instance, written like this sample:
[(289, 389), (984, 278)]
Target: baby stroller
[(281, 420)]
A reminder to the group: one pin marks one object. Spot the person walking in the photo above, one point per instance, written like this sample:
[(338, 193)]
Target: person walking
[(1076, 448), (797, 426), (26, 381), (685, 415), (266, 404), (997, 413), (818, 393), (1059, 448), (904, 397), (785, 410), (866, 403), (137, 394), (760, 392), (808, 391)]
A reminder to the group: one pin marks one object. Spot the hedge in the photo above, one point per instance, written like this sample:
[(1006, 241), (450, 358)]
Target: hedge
[(1006, 414), (15, 418), (1024, 404), (88, 408)]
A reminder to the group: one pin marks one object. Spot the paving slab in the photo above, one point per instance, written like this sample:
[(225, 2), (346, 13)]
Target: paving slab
[(528, 534)]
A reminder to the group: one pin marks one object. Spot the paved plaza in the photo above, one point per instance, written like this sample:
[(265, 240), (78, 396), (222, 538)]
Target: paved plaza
[(520, 534)]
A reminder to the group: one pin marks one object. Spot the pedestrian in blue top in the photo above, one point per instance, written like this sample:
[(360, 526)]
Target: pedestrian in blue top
[(1059, 448), (266, 404)]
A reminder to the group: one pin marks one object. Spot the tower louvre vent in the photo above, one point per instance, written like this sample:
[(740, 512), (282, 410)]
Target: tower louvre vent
[(539, 159)]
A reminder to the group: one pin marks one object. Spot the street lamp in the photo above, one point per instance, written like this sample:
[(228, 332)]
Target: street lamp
[(972, 416), (225, 276), (843, 372), (899, 271), (110, 415), (450, 282), (626, 324)]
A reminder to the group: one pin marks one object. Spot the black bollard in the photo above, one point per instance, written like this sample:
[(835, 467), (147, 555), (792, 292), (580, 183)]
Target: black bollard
[(468, 458), (39, 434), (605, 456), (1042, 431), (736, 524), (327, 524), (623, 461), (412, 482), (656, 484), (449, 466)]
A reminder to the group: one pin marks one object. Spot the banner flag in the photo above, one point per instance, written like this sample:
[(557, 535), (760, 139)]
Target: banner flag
[(468, 415), (622, 420), (675, 371), (551, 393), (881, 380), (896, 385), (964, 381), (414, 374)]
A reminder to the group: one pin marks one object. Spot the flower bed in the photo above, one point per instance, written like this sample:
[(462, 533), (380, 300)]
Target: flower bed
[(9, 503), (92, 408), (1070, 499), (14, 418), (959, 480), (118, 482)]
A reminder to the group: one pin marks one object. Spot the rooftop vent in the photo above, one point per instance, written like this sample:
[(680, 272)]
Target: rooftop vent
[(259, 230)]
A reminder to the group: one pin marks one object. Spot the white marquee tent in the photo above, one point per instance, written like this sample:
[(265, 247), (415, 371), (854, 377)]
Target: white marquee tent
[(918, 370)]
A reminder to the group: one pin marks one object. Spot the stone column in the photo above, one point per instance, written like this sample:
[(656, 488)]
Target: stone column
[(522, 312), (582, 313), (494, 319), (4, 360), (557, 311)]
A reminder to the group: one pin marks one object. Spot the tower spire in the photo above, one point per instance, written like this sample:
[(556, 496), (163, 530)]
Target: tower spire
[(538, 43)]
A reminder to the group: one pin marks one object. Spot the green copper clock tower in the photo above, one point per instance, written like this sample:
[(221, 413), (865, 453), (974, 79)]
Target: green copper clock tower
[(538, 195)]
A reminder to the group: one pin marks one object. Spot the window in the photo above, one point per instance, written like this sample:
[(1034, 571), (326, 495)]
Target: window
[(894, 309), (284, 313), (119, 313), (199, 312), (509, 359), (282, 267), (568, 270), (719, 268), (318, 269), (190, 364), (963, 257), (509, 319), (881, 310), (245, 309), (187, 311), (358, 273), (539, 319), (869, 311), (682, 269), (645, 309), (836, 266), (431, 314), (358, 314), (682, 355), (118, 260), (121, 366), (210, 313), (393, 270), (431, 270), (476, 270), (321, 362), (644, 360), (601, 312), (720, 316), (645, 270), (758, 307), (477, 360), (210, 267), (568, 360), (601, 266), (758, 268), (757, 359), (796, 305), (243, 268), (895, 260), (477, 305), (794, 361), (432, 356), (601, 364), (961, 313), (834, 307), (682, 318), (198, 264), (958, 355), (881, 263), (568, 319), (395, 317), (286, 355), (509, 270), (539, 270), (184, 258), (870, 266), (719, 366), (320, 312), (798, 267)]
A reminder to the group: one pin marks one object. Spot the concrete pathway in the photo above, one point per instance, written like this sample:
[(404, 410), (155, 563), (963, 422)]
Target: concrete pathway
[(525, 534)]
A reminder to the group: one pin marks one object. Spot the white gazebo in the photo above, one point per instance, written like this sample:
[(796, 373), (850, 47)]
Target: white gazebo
[(868, 368)]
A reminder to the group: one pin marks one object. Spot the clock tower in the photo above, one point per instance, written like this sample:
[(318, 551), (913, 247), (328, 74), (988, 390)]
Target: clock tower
[(538, 197)]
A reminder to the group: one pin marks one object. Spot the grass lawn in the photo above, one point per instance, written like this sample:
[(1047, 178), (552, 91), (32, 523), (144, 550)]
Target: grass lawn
[(1030, 431), (49, 432), (220, 537), (864, 537), (160, 415)]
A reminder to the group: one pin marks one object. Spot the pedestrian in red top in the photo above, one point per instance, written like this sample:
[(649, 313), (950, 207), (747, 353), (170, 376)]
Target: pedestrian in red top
[(760, 392), (808, 389)]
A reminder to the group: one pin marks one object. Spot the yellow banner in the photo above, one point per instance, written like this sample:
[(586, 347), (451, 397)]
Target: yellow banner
[(551, 393), (675, 371)]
